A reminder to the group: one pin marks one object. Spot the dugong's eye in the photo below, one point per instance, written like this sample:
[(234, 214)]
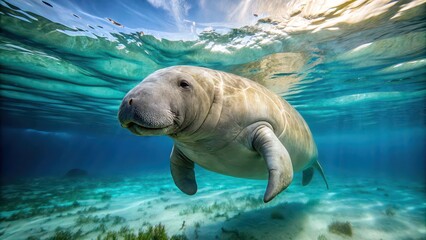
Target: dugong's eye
[(184, 84)]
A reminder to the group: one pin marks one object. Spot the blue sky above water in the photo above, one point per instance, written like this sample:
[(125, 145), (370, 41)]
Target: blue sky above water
[(177, 19), (163, 15), (132, 14)]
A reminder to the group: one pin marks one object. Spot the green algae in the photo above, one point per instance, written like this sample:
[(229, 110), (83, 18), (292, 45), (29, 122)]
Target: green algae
[(341, 228), (157, 232)]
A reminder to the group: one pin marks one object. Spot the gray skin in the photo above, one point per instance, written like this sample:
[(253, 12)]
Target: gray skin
[(224, 123)]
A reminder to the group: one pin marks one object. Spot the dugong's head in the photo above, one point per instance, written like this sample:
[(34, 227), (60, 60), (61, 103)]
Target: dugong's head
[(170, 101)]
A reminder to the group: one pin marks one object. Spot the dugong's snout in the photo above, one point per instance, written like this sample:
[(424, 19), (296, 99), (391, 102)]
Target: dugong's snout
[(143, 114), (125, 112)]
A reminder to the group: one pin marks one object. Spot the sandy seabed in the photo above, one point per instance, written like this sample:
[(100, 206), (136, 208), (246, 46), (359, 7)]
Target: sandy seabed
[(223, 208)]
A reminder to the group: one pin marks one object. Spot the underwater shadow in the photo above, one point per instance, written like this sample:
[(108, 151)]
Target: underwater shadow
[(283, 221)]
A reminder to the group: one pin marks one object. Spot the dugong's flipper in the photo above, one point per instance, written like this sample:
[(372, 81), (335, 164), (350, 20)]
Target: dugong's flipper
[(309, 172), (307, 176), (183, 172), (277, 159)]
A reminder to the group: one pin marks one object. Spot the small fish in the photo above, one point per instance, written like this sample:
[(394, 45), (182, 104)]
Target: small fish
[(48, 4), (115, 22), (183, 225)]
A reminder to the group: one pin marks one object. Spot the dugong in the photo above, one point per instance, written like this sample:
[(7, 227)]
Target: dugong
[(224, 123)]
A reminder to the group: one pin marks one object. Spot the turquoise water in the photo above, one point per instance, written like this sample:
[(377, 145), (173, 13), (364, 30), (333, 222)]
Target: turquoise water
[(355, 70)]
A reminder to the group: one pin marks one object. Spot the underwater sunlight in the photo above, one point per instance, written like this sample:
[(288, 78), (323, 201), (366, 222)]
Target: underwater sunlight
[(355, 71)]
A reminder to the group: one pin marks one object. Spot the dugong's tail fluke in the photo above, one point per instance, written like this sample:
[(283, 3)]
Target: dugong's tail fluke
[(309, 172), (318, 167)]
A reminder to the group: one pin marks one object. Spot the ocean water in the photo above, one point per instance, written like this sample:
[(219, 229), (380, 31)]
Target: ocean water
[(355, 70)]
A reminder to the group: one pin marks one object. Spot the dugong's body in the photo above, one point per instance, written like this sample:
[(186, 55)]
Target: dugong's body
[(224, 123)]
